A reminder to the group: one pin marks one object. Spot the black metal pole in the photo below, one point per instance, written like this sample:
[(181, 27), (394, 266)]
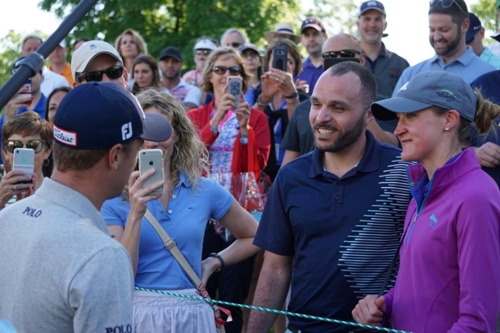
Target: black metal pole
[(34, 62)]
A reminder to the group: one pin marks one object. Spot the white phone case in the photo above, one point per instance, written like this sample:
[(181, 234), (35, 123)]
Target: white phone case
[(152, 159), (24, 160)]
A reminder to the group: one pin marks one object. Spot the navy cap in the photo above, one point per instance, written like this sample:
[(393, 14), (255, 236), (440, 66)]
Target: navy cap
[(172, 52), (98, 115), (434, 88), (371, 5), (18, 63), (474, 27), (312, 22)]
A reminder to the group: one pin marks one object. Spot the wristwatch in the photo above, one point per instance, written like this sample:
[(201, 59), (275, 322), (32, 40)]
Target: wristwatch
[(260, 103), (293, 96)]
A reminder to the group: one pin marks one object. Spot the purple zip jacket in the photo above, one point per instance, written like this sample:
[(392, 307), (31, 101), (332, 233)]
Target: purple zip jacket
[(449, 276)]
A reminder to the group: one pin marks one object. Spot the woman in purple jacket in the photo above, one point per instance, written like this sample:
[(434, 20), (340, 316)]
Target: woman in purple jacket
[(449, 274)]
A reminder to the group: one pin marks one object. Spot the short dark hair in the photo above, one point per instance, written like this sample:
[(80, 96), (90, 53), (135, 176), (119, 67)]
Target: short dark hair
[(66, 158), (458, 10), (368, 83)]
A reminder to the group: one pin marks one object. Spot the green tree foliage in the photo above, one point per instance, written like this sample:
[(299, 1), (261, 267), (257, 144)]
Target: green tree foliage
[(337, 15), (486, 10), (11, 44), (177, 22)]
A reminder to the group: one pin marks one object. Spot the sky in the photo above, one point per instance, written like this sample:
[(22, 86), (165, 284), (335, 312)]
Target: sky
[(407, 24)]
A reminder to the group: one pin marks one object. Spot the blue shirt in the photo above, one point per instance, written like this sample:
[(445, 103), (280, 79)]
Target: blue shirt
[(185, 220), (342, 233), (39, 108), (490, 57), (310, 74), (468, 66)]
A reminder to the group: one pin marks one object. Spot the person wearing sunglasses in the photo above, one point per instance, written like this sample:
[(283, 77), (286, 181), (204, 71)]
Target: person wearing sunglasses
[(233, 38), (448, 25), (98, 61), (385, 65), (26, 130), (170, 63), (222, 125), (202, 48)]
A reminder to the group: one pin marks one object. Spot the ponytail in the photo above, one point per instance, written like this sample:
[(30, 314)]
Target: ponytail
[(486, 112)]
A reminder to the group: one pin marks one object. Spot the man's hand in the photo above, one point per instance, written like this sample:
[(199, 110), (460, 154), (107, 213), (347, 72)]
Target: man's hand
[(370, 310), (488, 155)]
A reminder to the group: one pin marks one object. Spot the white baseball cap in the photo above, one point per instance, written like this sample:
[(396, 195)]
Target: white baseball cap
[(205, 44), (88, 51)]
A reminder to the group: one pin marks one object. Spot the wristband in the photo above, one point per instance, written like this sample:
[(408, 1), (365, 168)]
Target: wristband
[(294, 95), (216, 255), (214, 131), (260, 103)]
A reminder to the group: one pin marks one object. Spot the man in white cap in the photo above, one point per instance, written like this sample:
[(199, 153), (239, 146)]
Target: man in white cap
[(51, 80), (58, 63), (202, 49), (98, 61)]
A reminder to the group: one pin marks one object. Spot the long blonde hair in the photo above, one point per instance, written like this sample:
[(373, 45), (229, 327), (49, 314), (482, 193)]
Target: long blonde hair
[(190, 154)]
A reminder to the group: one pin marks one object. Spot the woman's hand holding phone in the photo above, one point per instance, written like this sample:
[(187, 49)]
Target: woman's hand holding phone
[(138, 196), (11, 185)]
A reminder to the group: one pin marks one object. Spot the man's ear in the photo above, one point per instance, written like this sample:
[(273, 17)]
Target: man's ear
[(115, 155)]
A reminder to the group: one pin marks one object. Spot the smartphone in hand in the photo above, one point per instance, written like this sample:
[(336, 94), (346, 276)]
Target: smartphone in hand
[(24, 160), (152, 159), (280, 57), (234, 84)]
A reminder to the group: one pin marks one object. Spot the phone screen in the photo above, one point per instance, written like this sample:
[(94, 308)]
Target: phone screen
[(234, 88)]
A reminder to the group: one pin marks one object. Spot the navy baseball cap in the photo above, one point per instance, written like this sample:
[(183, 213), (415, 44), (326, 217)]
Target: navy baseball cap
[(428, 89), (371, 5), (312, 22), (474, 27), (172, 52), (98, 115)]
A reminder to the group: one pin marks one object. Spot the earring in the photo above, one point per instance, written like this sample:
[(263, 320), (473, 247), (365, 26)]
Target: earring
[(446, 129), (46, 162)]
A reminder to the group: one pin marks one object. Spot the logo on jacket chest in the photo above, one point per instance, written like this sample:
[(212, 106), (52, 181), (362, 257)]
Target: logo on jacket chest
[(433, 221)]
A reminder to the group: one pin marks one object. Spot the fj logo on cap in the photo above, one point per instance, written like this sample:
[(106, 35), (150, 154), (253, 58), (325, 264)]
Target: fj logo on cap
[(127, 131), (450, 96), (68, 138)]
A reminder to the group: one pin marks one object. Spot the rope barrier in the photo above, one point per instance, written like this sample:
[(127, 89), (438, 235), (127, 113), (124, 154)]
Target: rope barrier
[(258, 308)]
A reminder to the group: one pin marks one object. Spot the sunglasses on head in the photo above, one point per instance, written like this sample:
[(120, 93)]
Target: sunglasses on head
[(113, 73), (221, 70), (202, 52), (36, 145), (446, 4), (340, 54), (235, 45)]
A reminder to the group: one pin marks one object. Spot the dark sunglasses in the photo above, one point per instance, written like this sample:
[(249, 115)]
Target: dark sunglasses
[(446, 4), (202, 52), (221, 70), (36, 145), (340, 54), (113, 73), (235, 45)]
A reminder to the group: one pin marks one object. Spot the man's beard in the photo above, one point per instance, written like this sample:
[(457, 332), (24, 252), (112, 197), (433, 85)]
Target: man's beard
[(345, 139)]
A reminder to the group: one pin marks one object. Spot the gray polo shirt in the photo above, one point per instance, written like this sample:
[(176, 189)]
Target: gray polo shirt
[(60, 271)]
